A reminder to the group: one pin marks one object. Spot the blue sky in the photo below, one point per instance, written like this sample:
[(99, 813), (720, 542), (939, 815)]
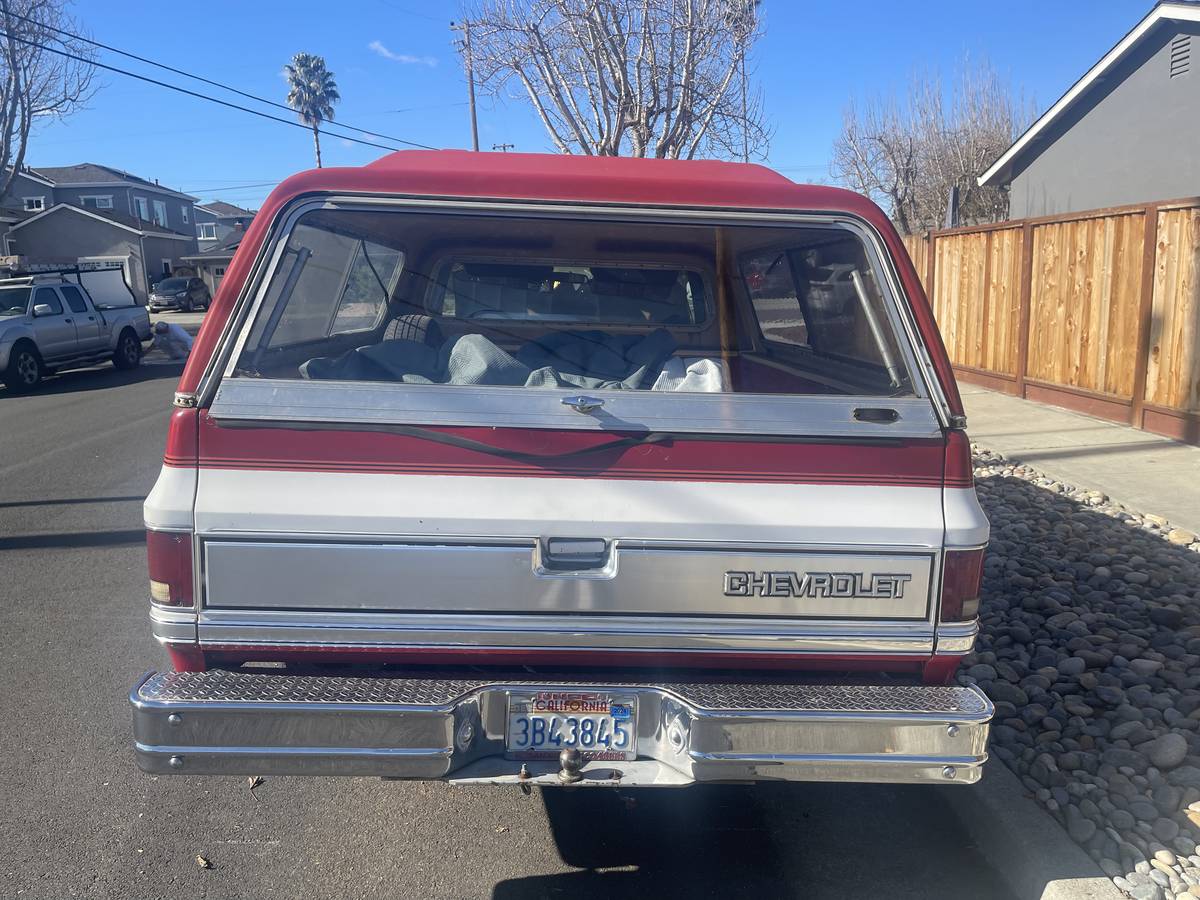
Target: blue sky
[(398, 74)]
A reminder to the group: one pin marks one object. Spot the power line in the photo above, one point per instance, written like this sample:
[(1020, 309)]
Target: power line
[(186, 74), (231, 187), (407, 109), (225, 103), (410, 12)]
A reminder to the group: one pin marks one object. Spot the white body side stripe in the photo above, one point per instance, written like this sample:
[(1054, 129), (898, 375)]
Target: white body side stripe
[(281, 502)]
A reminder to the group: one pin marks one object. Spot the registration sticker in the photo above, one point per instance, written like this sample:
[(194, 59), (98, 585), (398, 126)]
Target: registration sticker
[(600, 725)]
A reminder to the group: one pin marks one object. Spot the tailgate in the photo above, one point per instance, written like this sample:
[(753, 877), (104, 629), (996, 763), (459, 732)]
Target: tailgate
[(391, 537)]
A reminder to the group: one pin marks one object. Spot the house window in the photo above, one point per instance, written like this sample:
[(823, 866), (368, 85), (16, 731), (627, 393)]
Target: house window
[(141, 208), (35, 204), (206, 231), (219, 271), (183, 211), (166, 264), (96, 201), (160, 213)]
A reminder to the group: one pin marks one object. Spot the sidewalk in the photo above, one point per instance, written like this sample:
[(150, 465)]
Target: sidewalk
[(190, 321), (1145, 472)]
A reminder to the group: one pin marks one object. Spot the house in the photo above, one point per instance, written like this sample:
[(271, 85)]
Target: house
[(67, 235), (210, 264), (1125, 133), (94, 214), (216, 220), (8, 218), (93, 186)]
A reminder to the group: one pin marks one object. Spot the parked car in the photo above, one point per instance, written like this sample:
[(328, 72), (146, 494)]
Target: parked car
[(523, 469), (184, 294), (50, 322)]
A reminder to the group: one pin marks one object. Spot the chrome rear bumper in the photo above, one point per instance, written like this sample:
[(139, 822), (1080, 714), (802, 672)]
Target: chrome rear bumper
[(229, 723)]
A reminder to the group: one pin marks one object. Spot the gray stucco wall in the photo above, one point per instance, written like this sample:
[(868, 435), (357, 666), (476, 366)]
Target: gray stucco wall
[(1133, 139), (23, 187), (67, 235), (225, 227), (122, 200), (158, 249), (174, 206)]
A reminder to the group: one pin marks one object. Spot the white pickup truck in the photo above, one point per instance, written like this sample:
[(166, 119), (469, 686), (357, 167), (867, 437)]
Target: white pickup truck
[(68, 319), (545, 470)]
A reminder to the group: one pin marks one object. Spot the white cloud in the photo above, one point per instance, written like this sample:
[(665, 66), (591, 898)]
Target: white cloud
[(407, 59)]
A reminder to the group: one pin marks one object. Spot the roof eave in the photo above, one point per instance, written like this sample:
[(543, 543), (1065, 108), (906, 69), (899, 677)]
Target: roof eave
[(169, 235), (140, 185), (1180, 12)]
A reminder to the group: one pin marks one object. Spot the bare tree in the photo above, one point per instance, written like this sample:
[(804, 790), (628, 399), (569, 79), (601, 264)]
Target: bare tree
[(627, 77), (35, 82), (908, 153)]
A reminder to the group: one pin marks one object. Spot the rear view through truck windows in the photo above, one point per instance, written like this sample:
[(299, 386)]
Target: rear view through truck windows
[(463, 300)]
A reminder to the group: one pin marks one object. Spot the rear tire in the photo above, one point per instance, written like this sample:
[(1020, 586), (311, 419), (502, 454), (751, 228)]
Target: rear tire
[(25, 368), (129, 351)]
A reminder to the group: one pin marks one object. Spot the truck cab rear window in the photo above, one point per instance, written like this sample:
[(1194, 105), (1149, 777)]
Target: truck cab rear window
[(561, 292), (537, 302)]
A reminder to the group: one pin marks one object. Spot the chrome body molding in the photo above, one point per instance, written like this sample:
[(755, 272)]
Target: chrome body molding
[(957, 637), (500, 577), (653, 634), (424, 591), (453, 729), (367, 403), (173, 624)]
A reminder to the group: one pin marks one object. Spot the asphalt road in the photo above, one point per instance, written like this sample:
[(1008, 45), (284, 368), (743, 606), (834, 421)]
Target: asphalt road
[(77, 819)]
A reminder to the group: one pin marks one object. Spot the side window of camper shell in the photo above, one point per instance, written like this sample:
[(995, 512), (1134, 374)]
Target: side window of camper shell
[(336, 281)]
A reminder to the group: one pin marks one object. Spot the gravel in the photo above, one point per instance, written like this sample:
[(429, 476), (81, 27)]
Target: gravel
[(1090, 648)]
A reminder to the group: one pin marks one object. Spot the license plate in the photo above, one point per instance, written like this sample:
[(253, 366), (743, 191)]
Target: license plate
[(541, 724)]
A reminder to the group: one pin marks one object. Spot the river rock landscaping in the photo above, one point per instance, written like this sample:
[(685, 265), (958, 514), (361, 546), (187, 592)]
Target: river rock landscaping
[(1090, 649)]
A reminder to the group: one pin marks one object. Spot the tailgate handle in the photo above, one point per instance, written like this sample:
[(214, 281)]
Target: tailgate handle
[(574, 554), (880, 415), (582, 403)]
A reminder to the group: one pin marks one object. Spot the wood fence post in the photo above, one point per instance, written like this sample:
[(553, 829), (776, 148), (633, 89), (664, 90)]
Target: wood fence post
[(1141, 361), (930, 253), (1025, 303)]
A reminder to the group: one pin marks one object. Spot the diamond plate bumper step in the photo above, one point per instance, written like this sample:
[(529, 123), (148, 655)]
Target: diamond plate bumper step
[(231, 723)]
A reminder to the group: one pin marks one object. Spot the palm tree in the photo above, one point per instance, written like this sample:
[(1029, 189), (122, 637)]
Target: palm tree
[(311, 93)]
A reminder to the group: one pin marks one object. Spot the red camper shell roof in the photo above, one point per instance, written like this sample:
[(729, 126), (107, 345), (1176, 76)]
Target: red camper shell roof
[(565, 178)]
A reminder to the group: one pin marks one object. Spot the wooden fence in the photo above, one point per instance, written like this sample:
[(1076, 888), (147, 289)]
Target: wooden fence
[(1096, 311)]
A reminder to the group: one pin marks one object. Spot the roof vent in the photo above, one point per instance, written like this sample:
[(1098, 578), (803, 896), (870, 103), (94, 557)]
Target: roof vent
[(1181, 55)]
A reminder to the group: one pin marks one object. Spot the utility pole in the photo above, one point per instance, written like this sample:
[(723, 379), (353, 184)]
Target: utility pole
[(465, 27), (503, 148)]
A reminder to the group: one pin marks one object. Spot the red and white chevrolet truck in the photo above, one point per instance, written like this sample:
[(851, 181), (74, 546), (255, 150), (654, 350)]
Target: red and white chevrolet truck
[(544, 470)]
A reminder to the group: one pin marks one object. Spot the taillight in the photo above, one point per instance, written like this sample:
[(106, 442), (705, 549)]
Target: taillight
[(959, 469), (962, 573), (170, 556)]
